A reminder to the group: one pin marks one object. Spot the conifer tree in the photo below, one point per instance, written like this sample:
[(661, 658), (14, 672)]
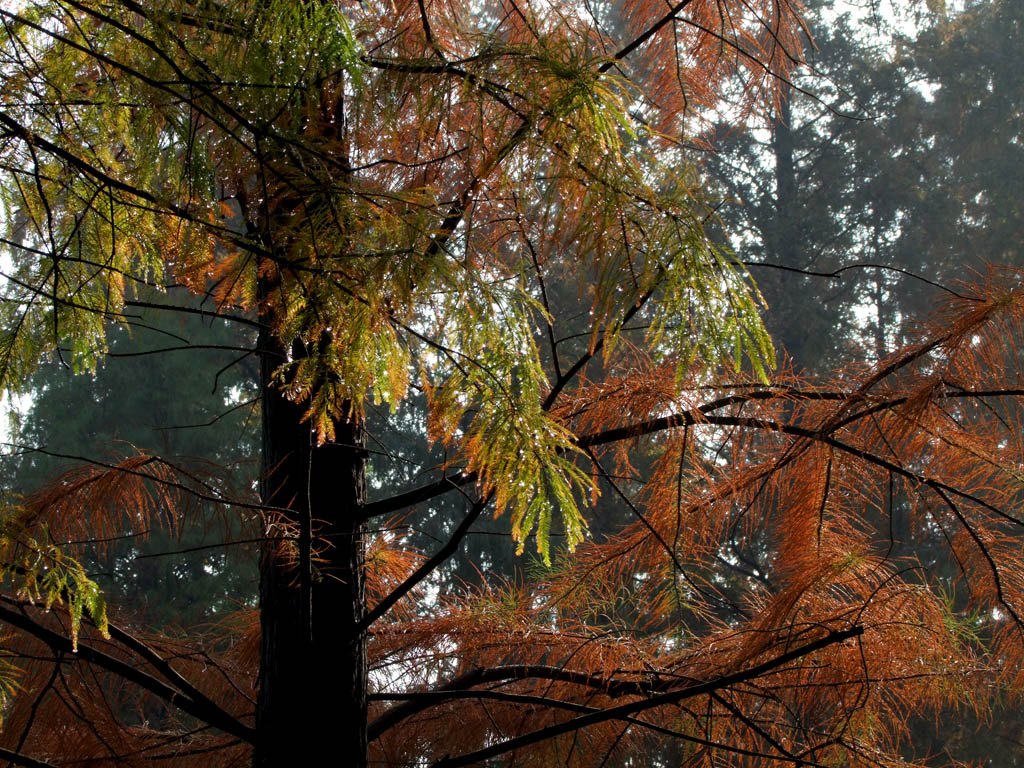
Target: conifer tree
[(481, 207), (900, 173), (175, 385)]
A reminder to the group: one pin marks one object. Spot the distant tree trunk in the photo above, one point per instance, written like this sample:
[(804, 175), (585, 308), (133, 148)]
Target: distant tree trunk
[(784, 242), (311, 587), (879, 296), (786, 204)]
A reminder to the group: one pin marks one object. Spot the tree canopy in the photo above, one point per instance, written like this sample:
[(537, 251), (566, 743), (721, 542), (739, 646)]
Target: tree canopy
[(475, 260)]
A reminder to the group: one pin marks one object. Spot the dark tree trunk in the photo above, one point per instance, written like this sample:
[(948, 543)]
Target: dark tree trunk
[(786, 204), (788, 330), (312, 595), (311, 588)]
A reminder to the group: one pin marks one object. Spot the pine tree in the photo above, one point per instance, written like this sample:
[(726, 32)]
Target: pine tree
[(175, 385)]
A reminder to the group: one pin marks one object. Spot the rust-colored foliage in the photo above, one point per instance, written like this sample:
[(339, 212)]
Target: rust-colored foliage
[(764, 525), (485, 204), (756, 595)]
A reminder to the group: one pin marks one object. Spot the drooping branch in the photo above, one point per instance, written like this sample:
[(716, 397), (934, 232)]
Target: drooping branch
[(431, 698), (462, 479), (632, 708), (13, 613), (864, 455), (610, 686), (702, 414)]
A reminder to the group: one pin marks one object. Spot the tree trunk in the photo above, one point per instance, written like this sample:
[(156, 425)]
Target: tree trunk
[(786, 327), (786, 204), (311, 587)]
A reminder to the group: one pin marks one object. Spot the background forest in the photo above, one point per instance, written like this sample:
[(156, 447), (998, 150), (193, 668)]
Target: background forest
[(887, 176)]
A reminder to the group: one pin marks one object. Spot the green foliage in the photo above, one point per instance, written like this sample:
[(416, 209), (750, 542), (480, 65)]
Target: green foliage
[(259, 158), (43, 572), (699, 276), (404, 211), (288, 47), (486, 386), (9, 673), (163, 405)]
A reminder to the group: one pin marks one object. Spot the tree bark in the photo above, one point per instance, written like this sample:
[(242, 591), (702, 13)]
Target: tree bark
[(311, 587)]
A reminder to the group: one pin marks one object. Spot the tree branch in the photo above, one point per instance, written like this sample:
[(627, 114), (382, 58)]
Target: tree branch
[(462, 479), (695, 416), (162, 666), (632, 708), (427, 568), (647, 35), (13, 612), (16, 758), (430, 698), (608, 686), (193, 311)]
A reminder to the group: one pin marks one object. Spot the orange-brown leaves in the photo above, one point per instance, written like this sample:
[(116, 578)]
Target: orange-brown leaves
[(754, 521), (92, 504), (447, 149), (389, 563), (71, 709)]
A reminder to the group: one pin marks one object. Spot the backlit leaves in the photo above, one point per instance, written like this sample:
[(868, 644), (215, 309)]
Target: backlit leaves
[(485, 392), (368, 197), (42, 572)]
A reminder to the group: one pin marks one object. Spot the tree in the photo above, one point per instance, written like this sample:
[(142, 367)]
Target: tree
[(892, 181), (144, 399), (483, 206), (898, 167)]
